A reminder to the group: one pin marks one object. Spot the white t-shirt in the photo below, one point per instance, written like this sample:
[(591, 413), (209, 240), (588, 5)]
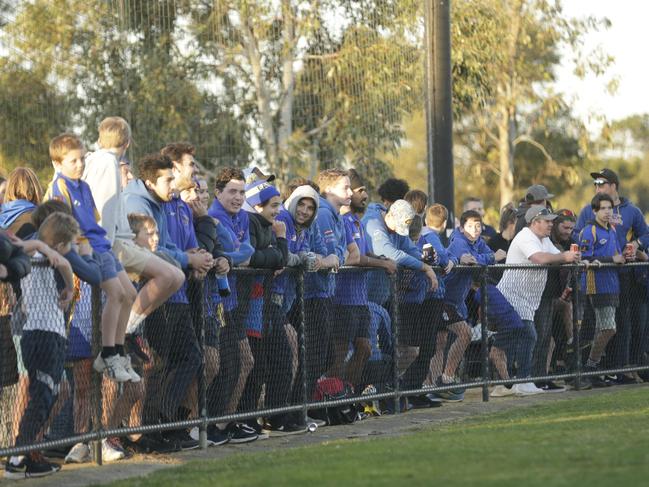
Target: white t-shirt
[(523, 288)]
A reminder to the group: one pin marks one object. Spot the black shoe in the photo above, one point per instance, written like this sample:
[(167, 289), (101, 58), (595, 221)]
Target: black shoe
[(32, 465), (134, 346), (182, 439), (241, 433), (597, 381), (286, 429), (623, 379), (423, 402), (216, 437), (549, 386), (154, 443)]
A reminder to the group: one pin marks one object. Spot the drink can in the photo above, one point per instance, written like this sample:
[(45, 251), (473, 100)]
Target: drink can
[(574, 248), (628, 249), (427, 253), (310, 261)]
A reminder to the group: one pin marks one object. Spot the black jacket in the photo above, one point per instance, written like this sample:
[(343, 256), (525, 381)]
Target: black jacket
[(205, 230), (270, 252), (18, 263)]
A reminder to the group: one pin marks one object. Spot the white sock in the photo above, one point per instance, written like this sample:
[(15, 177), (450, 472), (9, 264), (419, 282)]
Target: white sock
[(16, 460), (134, 321)]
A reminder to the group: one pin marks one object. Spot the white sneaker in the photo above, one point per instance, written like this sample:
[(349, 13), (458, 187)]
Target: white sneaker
[(80, 453), (126, 362), (111, 452), (112, 368), (526, 389), (501, 391)]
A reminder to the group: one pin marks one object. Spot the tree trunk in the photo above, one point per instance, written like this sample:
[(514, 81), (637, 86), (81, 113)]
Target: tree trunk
[(506, 157)]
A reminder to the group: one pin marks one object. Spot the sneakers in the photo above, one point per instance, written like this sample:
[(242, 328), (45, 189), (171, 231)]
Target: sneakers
[(451, 395), (550, 386), (155, 443), (215, 436), (182, 438), (286, 429), (501, 391), (80, 453), (526, 389), (29, 466), (111, 450), (112, 367), (423, 402), (241, 433), (596, 381), (126, 363)]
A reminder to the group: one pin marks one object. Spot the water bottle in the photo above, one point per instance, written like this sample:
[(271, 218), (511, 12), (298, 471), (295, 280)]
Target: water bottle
[(223, 285)]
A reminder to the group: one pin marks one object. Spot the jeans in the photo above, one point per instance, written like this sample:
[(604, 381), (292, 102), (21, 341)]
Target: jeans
[(543, 324), (526, 341), (44, 356)]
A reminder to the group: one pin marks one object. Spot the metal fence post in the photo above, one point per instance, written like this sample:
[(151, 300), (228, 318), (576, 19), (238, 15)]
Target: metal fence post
[(394, 312), (576, 323), (299, 291), (484, 273), (96, 402), (202, 382)]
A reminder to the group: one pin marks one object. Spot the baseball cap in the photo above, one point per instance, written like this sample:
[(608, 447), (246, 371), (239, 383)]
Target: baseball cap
[(253, 173), (538, 212), (607, 174), (355, 180), (537, 192), (258, 192), (402, 214)]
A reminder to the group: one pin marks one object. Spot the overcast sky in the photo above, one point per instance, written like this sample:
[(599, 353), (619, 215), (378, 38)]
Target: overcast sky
[(628, 41)]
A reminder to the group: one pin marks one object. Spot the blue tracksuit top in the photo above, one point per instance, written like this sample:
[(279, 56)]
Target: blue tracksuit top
[(137, 199), (351, 287), (458, 282), (599, 243), (419, 286), (334, 236), (77, 195), (500, 314), (315, 282), (233, 233), (633, 224), (181, 232)]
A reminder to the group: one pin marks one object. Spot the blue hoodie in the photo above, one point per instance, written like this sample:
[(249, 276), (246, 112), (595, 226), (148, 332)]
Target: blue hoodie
[(10, 211), (137, 199), (419, 284), (314, 282), (458, 282), (351, 286), (599, 243)]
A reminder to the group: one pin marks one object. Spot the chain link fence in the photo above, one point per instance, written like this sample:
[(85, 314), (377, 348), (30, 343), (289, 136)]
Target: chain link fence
[(268, 352)]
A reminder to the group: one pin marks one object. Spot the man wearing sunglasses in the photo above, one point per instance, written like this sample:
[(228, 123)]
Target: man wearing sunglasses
[(630, 227), (524, 288)]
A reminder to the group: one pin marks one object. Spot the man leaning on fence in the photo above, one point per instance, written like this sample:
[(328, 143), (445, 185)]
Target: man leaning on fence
[(523, 288)]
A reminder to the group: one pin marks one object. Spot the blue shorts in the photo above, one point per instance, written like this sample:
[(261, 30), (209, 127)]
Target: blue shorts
[(109, 265)]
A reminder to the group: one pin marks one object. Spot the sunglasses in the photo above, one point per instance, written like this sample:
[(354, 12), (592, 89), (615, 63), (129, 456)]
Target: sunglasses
[(566, 212), (600, 182), (543, 212)]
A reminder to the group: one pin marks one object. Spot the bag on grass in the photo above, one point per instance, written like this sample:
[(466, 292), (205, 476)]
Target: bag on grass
[(334, 389)]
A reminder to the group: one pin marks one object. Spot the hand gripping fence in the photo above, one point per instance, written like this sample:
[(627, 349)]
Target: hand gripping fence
[(278, 349)]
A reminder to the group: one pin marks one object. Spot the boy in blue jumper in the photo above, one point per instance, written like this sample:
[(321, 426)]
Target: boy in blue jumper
[(598, 242), (467, 248), (67, 152)]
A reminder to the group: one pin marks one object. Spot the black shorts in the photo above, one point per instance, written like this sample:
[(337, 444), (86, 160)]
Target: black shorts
[(450, 316), (410, 324), (349, 322)]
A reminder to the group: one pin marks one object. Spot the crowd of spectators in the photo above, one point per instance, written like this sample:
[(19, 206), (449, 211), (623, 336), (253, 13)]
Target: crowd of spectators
[(162, 249)]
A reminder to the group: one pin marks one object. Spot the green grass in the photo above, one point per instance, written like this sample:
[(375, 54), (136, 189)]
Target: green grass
[(592, 441)]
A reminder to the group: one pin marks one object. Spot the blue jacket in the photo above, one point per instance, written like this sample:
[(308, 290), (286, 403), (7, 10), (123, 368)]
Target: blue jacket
[(351, 286), (599, 243), (180, 226), (85, 267), (419, 285), (458, 282), (500, 314), (137, 199), (233, 231), (77, 195), (334, 237), (633, 223), (316, 284), (10, 211)]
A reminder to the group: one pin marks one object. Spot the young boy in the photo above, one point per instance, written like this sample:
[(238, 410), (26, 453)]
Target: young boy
[(45, 296), (106, 176), (467, 248), (599, 243), (67, 153), (145, 229)]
